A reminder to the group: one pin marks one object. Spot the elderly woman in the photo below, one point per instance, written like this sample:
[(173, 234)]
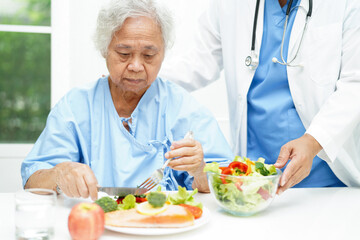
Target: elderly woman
[(118, 130)]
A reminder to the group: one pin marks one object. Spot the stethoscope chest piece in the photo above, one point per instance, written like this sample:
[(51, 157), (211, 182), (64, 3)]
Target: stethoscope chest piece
[(252, 61)]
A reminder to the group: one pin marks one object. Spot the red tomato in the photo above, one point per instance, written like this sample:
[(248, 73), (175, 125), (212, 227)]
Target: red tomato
[(225, 171), (238, 185), (264, 194), (195, 211), (242, 167), (137, 199), (140, 199), (119, 200)]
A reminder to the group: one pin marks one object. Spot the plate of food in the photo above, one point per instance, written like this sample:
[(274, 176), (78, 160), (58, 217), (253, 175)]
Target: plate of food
[(155, 213)]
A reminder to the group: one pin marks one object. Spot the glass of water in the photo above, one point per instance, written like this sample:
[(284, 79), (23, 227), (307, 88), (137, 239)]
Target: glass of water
[(35, 214)]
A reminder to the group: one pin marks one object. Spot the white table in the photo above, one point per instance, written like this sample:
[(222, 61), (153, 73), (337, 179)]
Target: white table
[(317, 213)]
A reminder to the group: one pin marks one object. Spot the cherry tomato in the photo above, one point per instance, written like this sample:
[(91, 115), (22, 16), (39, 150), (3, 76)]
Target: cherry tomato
[(195, 211), (242, 167)]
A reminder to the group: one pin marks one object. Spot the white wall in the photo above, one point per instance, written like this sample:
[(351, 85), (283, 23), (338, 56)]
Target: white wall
[(186, 14), (74, 62), (11, 156)]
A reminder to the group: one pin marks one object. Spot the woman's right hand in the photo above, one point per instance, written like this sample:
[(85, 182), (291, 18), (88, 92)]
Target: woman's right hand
[(76, 180)]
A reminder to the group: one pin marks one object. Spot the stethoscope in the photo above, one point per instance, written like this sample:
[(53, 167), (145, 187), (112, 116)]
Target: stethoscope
[(252, 61)]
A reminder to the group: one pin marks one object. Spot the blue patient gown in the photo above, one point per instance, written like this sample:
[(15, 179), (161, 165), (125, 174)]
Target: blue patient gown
[(85, 127)]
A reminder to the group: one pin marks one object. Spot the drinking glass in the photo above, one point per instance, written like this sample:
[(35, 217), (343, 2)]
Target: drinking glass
[(35, 214)]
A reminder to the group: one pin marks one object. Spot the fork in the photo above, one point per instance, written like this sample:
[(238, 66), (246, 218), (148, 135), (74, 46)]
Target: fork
[(158, 174)]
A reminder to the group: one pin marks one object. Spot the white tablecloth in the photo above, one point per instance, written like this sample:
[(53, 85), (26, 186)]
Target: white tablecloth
[(316, 213)]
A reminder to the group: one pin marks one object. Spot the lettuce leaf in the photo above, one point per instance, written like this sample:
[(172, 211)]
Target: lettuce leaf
[(212, 167), (129, 202), (260, 168), (184, 197), (271, 169)]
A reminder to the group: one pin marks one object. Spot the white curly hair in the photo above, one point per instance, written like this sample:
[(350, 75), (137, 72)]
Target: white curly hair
[(113, 15)]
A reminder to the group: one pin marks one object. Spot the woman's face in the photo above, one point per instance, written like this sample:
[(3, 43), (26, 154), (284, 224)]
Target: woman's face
[(135, 55)]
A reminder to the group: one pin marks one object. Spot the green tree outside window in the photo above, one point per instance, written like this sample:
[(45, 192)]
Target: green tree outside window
[(24, 75)]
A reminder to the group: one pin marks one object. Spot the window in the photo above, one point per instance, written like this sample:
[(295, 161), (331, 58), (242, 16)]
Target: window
[(25, 46)]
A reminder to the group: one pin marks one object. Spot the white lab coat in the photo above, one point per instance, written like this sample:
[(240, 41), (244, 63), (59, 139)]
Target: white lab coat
[(325, 91)]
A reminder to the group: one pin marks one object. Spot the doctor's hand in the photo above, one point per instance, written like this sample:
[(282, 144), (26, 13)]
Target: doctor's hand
[(76, 180), (301, 153)]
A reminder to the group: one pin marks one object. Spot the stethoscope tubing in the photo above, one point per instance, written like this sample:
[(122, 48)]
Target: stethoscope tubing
[(252, 60), (255, 25)]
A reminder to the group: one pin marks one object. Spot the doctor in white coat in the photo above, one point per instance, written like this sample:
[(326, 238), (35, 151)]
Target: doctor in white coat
[(293, 83)]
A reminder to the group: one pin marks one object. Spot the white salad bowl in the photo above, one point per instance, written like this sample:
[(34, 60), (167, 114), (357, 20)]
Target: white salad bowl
[(243, 195)]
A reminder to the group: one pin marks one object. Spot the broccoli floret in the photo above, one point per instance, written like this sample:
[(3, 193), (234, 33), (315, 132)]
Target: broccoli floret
[(156, 199), (107, 204)]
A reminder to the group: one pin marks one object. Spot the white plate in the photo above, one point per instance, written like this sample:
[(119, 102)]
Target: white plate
[(205, 218)]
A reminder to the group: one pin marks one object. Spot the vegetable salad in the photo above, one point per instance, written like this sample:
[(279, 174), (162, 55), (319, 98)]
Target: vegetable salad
[(243, 187)]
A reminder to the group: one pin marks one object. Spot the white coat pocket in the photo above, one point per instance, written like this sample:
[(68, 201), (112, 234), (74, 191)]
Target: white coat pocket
[(324, 53)]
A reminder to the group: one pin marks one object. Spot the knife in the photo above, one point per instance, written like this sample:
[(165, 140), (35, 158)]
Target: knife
[(122, 191)]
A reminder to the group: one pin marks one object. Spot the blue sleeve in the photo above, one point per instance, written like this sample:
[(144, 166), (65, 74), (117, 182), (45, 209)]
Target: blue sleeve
[(184, 179), (193, 116), (216, 148), (207, 132), (57, 143), (173, 179)]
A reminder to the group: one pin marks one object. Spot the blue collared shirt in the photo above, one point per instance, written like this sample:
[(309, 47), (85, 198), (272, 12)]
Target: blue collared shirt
[(85, 127), (272, 118)]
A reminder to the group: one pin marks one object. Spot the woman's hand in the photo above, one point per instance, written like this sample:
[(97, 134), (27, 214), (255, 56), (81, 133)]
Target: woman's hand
[(301, 152), (189, 156), (76, 180)]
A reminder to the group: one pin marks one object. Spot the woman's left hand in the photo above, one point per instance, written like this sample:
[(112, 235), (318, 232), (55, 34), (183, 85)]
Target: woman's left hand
[(189, 156)]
